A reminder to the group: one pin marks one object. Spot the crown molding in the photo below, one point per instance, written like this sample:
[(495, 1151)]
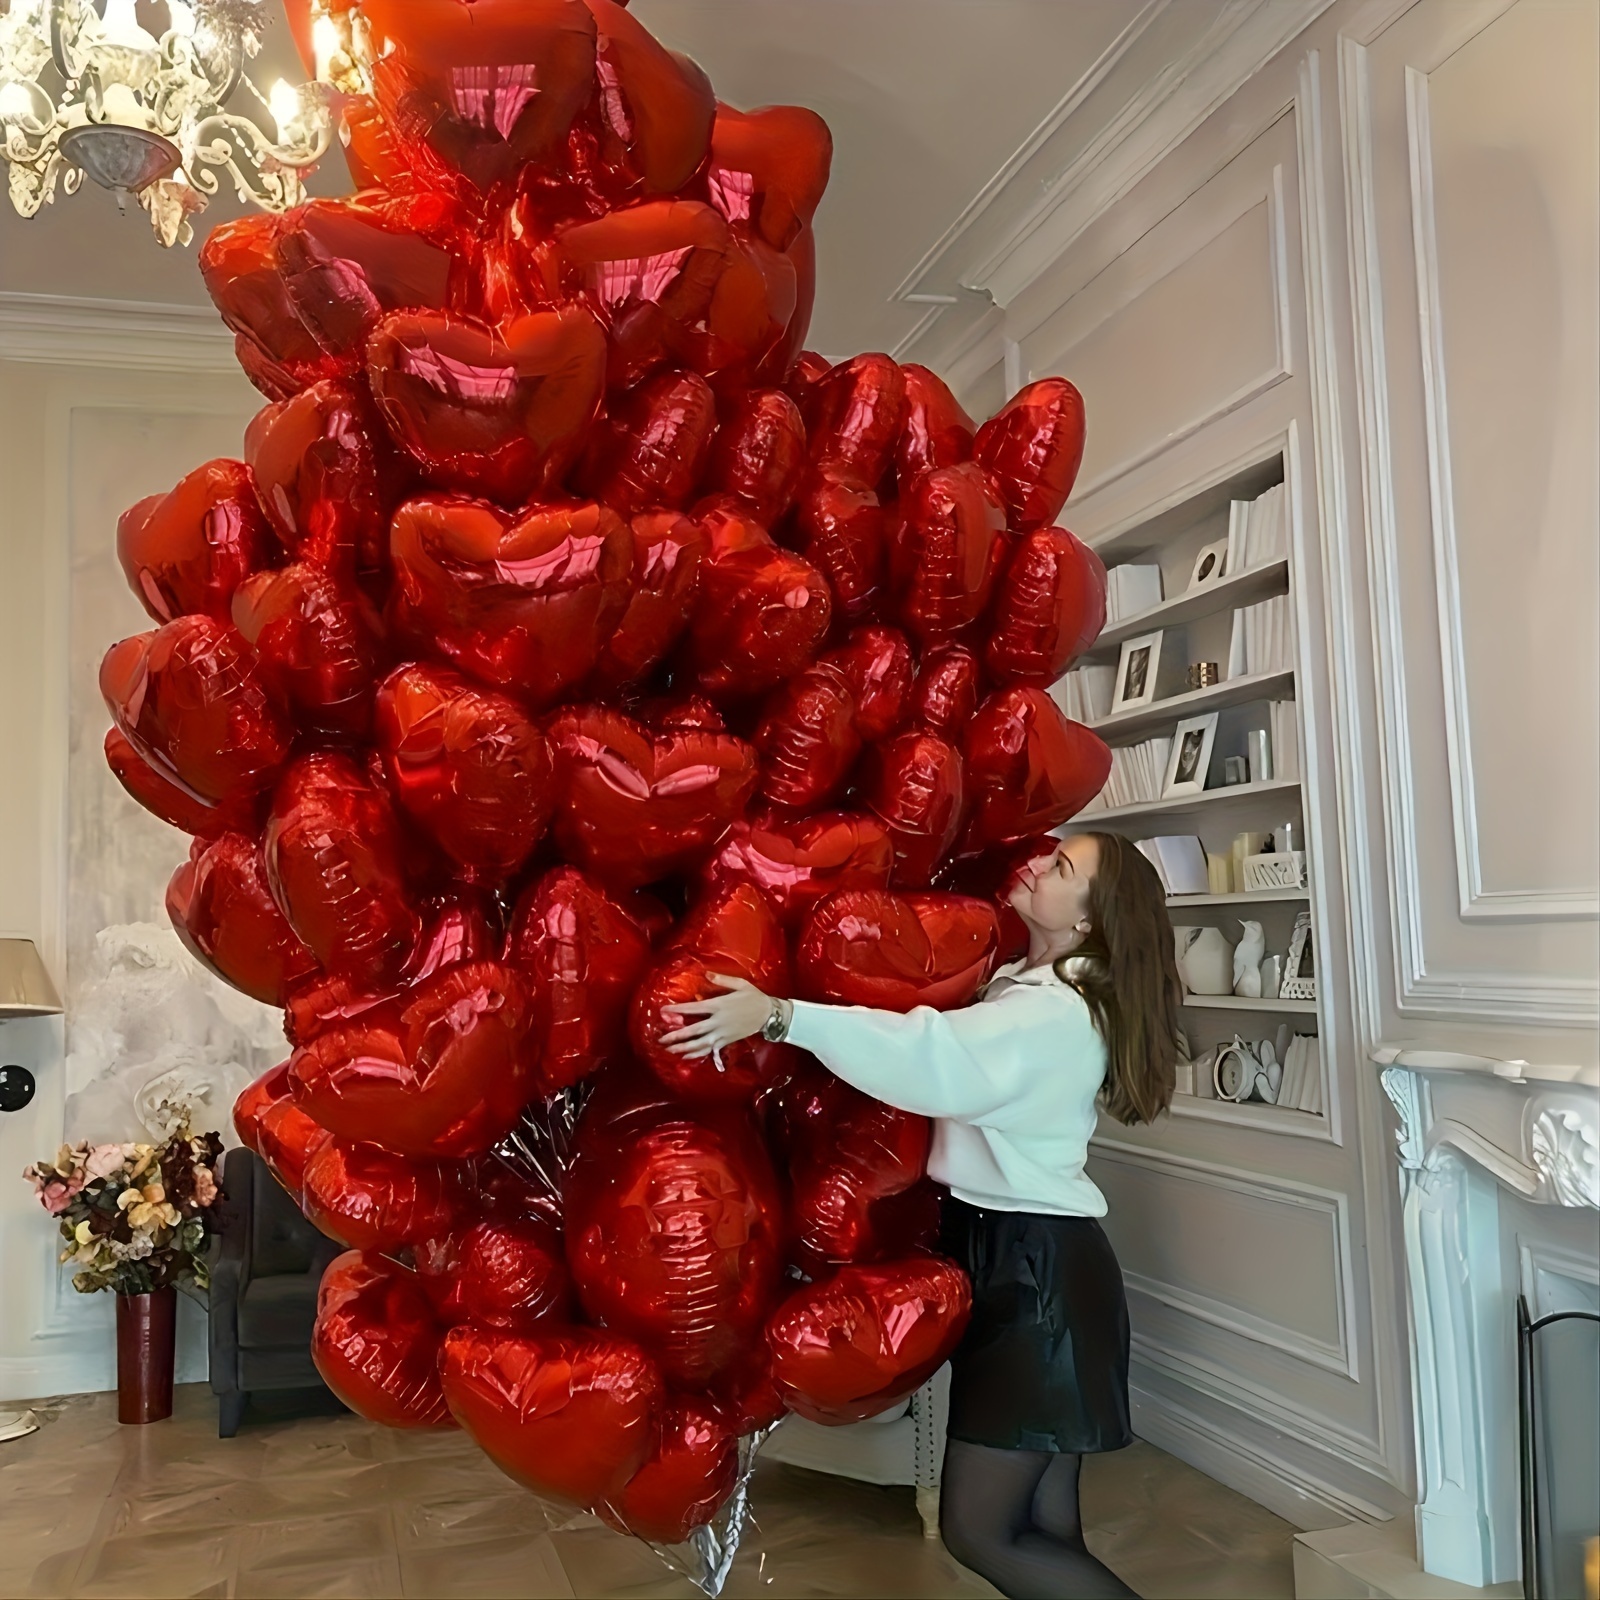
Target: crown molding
[(67, 330)]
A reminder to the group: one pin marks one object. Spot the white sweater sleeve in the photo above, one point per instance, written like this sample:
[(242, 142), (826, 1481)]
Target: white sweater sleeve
[(981, 1064)]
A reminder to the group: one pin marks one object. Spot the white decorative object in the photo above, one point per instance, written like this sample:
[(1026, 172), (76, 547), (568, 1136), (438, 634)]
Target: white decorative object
[(1271, 977), (1286, 869), (1190, 761), (1299, 968), (1247, 956), (1206, 962), (1136, 672), (82, 92), (1210, 565)]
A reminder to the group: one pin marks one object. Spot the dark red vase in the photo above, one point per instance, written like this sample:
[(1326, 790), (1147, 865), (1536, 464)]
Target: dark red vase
[(146, 1325)]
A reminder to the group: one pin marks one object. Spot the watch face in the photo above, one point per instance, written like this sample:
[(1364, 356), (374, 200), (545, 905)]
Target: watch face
[(1230, 1076)]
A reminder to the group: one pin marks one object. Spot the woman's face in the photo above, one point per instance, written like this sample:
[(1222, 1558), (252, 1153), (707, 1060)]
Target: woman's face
[(1052, 892)]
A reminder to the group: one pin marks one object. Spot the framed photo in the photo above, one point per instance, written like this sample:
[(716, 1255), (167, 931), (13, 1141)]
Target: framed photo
[(1136, 672), (1299, 966), (1210, 564), (1190, 760)]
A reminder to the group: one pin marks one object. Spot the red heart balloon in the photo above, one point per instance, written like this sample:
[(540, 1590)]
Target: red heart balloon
[(499, 1273), (760, 616), (935, 430), (189, 549), (316, 642), (325, 476), (585, 955), (334, 860), (1028, 767), (755, 310), (652, 448), (947, 551), (571, 1414), (849, 1347), (807, 738), (759, 453), (674, 1229), (768, 169), (916, 786), (805, 373), (372, 1199), (796, 864), (690, 1472), (894, 952), (522, 603), (853, 418), (162, 797), (1050, 606), (946, 695), (1031, 449), (223, 910), (881, 670), (192, 702), (842, 532), (497, 412), (734, 932), (443, 1071), (745, 1397), (634, 806), (269, 1122), (470, 767), (667, 552), (376, 1343)]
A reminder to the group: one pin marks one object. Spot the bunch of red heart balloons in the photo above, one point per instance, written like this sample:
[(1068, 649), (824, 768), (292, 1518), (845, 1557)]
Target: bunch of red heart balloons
[(565, 636)]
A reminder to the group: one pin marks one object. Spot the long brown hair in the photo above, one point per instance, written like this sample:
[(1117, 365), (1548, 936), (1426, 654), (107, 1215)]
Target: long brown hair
[(1131, 981)]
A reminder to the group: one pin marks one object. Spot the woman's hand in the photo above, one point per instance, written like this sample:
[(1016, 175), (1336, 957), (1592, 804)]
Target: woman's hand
[(724, 1018)]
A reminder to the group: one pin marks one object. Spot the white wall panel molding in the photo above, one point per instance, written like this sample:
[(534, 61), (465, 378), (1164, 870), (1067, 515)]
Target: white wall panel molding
[(61, 330)]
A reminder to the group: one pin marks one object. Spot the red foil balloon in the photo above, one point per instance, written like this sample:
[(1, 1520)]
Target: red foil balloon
[(371, 1199), (881, 671), (317, 644), (894, 952), (759, 619), (853, 418), (849, 1347), (192, 702), (162, 796), (807, 738), (948, 550), (585, 956), (223, 910), (443, 1071), (269, 1122), (768, 170), (667, 552), (842, 532), (917, 787), (674, 1228), (522, 603), (635, 806), (759, 453), (502, 1272), (681, 1487), (1050, 606), (935, 431), (334, 860), (1031, 449), (376, 1343), (1028, 767), (796, 864), (733, 933), (946, 693), (470, 767), (498, 412), (189, 549), (650, 451)]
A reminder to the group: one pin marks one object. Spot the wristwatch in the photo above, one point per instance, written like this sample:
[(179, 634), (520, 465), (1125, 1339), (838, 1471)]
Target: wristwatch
[(776, 1026)]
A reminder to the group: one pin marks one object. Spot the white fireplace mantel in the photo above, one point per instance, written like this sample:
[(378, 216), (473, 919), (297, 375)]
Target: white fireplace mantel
[(1468, 1128)]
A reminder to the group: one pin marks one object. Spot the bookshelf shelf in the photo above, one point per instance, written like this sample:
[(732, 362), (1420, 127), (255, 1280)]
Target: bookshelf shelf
[(1185, 805), (1176, 902), (1254, 583), (1238, 1002), (1255, 1114), (1170, 712)]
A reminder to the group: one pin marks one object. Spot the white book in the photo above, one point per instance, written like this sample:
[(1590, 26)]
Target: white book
[(1130, 589), (1236, 650), (1238, 536), (1314, 1066), (1293, 1075), (1148, 848), (1092, 687), (1265, 538), (1285, 739), (1311, 1084), (1181, 862)]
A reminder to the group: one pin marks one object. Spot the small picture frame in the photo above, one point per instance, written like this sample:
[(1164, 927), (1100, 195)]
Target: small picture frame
[(1190, 760), (1136, 672), (1299, 966), (1210, 565)]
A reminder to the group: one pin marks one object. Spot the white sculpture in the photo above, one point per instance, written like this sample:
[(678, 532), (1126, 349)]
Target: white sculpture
[(153, 1032), (1247, 956), (1203, 962)]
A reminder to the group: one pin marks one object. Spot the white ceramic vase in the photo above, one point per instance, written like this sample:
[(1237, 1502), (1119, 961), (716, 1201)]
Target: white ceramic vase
[(1206, 962)]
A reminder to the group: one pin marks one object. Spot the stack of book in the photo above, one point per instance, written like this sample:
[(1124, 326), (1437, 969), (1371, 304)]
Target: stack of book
[(1284, 728), (1131, 589), (1258, 531), (1084, 694), (1137, 774), (1261, 639), (1180, 860), (1301, 1089)]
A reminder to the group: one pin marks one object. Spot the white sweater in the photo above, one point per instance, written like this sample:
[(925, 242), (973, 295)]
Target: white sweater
[(1010, 1081)]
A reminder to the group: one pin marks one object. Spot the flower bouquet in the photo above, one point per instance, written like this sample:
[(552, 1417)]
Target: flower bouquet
[(135, 1218)]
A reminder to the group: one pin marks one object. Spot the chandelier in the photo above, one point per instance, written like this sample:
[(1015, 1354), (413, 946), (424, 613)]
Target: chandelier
[(84, 88)]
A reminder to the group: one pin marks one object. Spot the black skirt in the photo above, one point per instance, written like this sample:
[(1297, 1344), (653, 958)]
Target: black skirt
[(1044, 1364)]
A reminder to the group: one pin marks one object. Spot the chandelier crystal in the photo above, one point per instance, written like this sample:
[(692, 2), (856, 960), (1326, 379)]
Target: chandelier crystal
[(85, 89)]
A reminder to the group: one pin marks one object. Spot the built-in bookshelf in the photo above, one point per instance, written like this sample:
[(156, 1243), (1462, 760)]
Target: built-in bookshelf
[(1197, 624)]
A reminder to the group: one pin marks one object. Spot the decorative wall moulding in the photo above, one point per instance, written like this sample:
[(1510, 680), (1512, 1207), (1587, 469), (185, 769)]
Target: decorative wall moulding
[(64, 330)]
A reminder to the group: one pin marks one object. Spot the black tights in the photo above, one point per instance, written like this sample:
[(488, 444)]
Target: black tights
[(1012, 1516)]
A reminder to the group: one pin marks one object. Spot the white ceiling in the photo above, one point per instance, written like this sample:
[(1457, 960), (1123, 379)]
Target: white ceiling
[(926, 99)]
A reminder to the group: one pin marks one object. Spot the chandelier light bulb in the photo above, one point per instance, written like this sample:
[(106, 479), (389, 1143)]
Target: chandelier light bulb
[(325, 43), (15, 102), (180, 15), (283, 100), (121, 26)]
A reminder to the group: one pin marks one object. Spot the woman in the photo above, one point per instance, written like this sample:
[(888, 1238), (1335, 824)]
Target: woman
[(1090, 1013)]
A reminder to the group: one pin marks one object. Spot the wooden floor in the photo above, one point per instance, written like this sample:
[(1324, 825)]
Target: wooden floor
[(330, 1505)]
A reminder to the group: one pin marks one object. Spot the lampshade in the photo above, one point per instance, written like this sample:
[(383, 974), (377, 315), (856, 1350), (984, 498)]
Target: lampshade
[(25, 987)]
